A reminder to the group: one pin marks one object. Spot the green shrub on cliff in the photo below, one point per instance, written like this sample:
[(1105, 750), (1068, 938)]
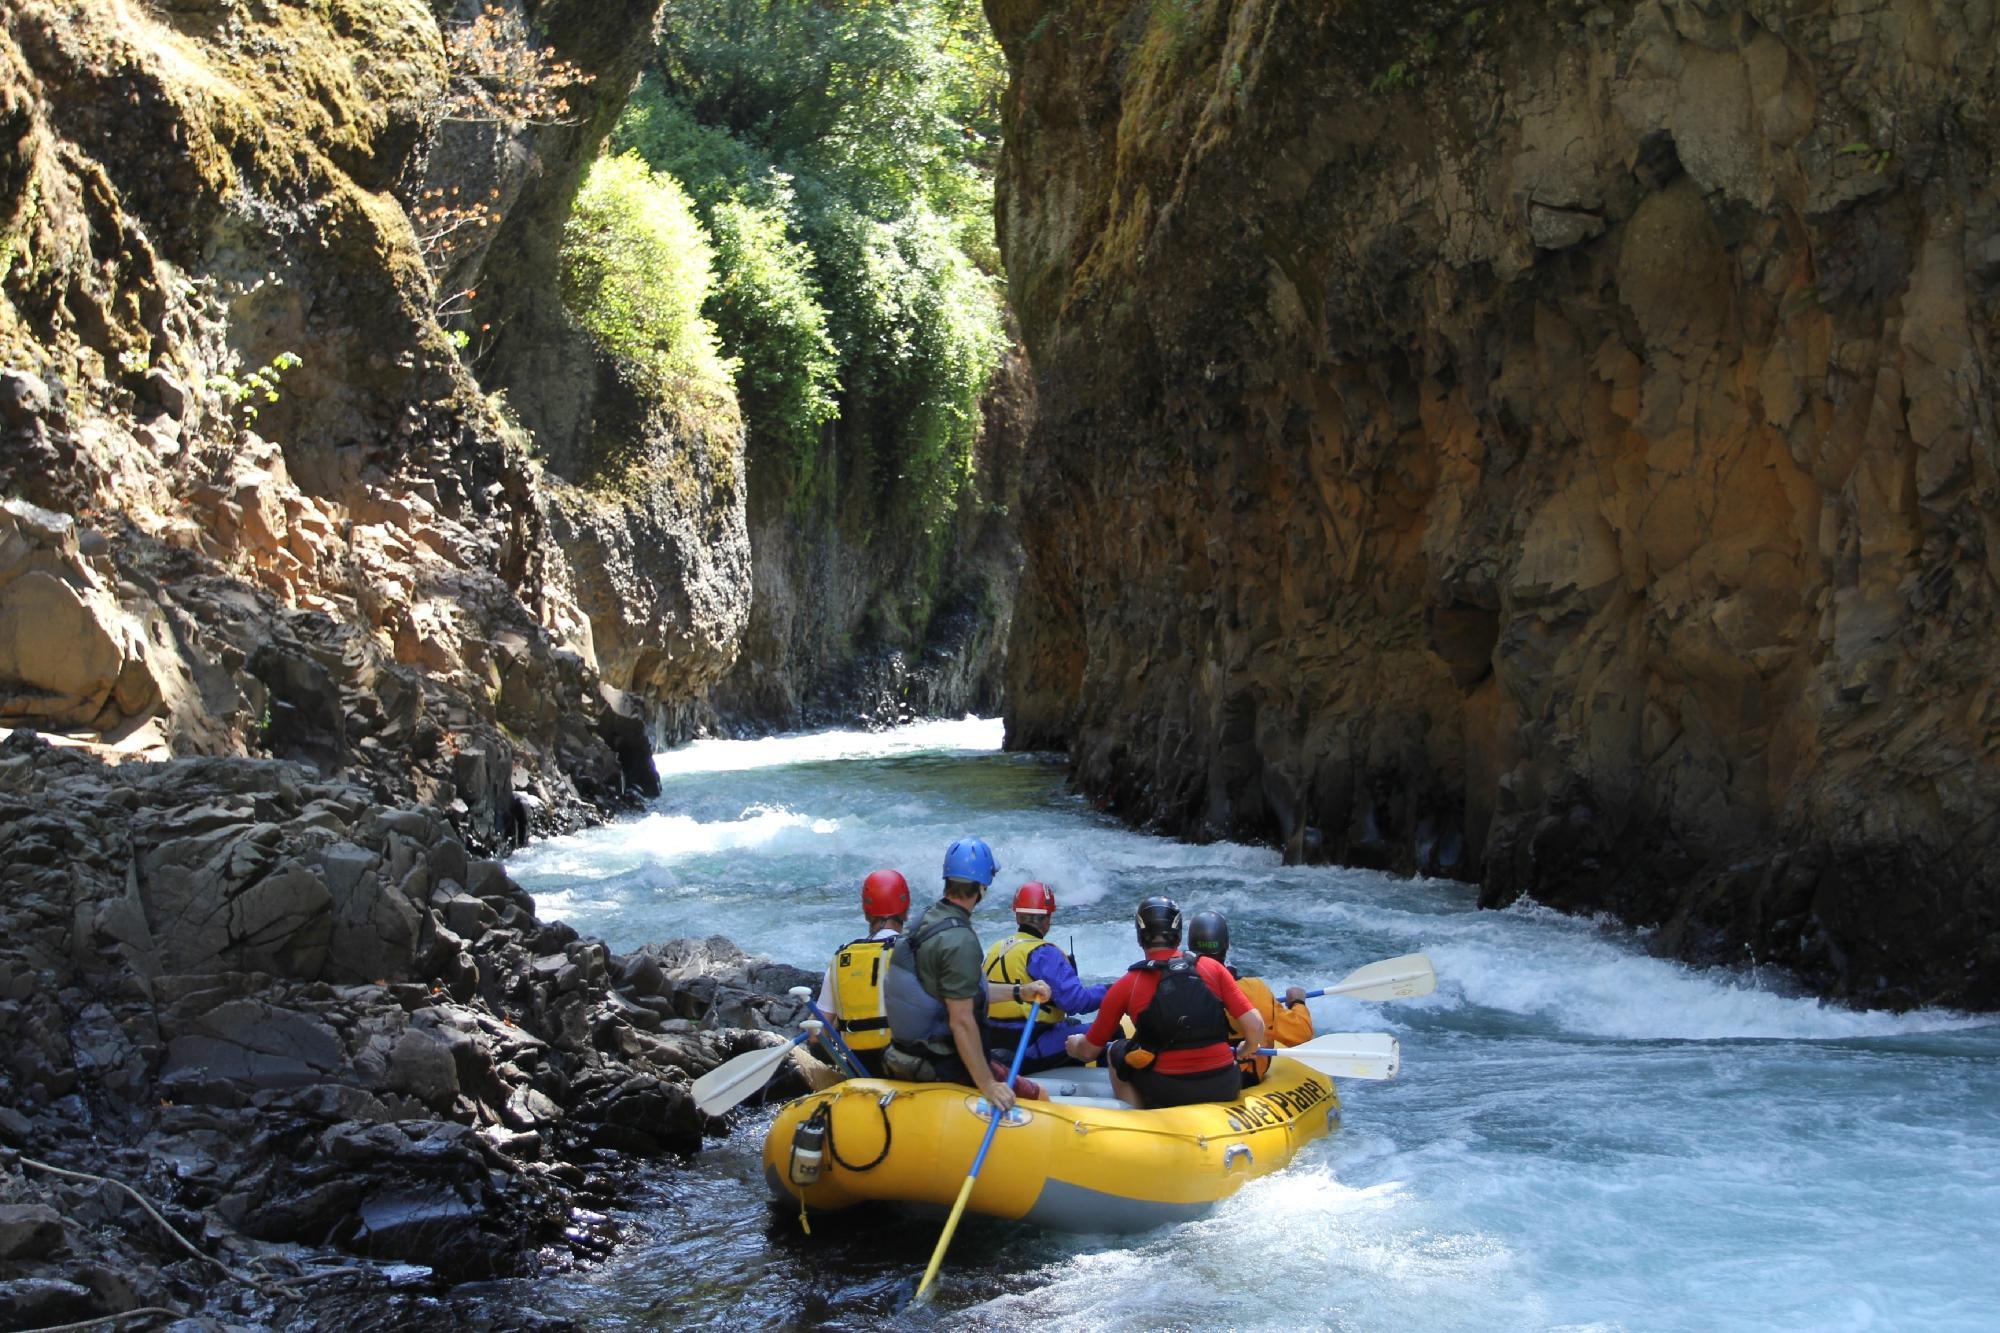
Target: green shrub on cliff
[(768, 312), (636, 269), (841, 155), (710, 162), (918, 326), (886, 103)]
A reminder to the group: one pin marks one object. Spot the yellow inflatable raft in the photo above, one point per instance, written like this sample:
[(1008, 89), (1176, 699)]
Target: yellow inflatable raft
[(1080, 1161)]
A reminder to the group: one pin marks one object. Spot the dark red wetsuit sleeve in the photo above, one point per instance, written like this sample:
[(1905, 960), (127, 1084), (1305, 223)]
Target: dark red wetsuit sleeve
[(1105, 1026)]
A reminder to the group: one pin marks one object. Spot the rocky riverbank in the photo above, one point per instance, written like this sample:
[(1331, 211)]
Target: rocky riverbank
[(319, 1034)]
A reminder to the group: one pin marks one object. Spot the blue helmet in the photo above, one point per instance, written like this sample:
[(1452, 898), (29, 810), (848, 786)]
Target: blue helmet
[(970, 858)]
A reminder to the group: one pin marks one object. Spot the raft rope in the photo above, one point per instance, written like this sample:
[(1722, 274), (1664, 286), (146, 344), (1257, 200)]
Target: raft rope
[(1199, 1140), (882, 1106), (1184, 1136)]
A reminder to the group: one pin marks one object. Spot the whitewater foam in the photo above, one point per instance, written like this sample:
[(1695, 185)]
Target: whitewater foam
[(967, 735), (1584, 1137)]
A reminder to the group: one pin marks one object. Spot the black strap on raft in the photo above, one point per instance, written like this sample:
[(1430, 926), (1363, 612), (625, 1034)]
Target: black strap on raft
[(881, 1105)]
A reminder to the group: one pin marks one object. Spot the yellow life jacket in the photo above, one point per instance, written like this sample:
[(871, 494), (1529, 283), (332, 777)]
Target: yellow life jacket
[(1007, 964), (857, 993)]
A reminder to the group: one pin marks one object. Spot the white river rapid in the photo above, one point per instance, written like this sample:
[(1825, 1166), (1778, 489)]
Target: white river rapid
[(1583, 1136)]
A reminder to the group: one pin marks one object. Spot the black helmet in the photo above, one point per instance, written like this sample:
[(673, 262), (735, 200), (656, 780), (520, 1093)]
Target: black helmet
[(1208, 934), (1159, 922)]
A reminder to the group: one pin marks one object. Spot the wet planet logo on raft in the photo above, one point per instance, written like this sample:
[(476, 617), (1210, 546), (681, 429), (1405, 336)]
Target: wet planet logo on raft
[(1276, 1108)]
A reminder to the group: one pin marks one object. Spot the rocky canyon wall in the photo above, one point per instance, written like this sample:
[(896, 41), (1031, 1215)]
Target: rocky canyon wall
[(263, 506), (645, 503), (854, 617), (1550, 445), (332, 628)]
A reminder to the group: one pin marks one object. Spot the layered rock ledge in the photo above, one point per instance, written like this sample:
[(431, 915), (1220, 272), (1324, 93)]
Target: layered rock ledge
[(319, 1034)]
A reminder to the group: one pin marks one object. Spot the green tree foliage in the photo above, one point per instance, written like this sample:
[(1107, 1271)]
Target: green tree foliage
[(636, 271), (767, 308), (713, 164), (841, 153), (915, 318)]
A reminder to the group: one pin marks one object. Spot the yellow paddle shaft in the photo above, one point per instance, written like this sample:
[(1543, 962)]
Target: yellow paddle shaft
[(992, 1126), (944, 1241)]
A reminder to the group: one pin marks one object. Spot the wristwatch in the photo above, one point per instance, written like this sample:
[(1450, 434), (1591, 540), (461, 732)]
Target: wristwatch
[(1017, 992)]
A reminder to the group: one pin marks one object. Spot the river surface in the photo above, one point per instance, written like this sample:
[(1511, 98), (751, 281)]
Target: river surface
[(1583, 1136)]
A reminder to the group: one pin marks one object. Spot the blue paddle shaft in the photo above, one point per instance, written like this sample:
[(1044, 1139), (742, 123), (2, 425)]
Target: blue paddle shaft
[(1020, 1054), (854, 1066)]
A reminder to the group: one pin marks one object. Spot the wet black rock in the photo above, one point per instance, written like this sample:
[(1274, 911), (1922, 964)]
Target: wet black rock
[(295, 1017), (29, 1231), (32, 1302)]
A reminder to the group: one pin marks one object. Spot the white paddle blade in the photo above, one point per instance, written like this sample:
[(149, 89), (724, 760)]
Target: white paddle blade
[(730, 1082), (1372, 1055), (1402, 978)]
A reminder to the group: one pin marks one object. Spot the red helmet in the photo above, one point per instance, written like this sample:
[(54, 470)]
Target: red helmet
[(885, 893), (1034, 896)]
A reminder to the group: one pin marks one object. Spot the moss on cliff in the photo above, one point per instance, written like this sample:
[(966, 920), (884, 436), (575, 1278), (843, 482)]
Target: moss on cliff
[(191, 188)]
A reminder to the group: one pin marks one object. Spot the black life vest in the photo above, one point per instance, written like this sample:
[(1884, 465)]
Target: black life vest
[(1183, 1013)]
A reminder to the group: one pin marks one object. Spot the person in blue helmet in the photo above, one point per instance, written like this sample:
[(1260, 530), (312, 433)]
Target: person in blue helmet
[(936, 990)]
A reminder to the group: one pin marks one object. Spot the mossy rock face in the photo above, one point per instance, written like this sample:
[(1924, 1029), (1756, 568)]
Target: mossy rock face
[(203, 213), (248, 146)]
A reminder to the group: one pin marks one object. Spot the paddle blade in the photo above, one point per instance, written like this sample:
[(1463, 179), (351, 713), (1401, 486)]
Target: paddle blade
[(1402, 978), (730, 1082), (1372, 1055)]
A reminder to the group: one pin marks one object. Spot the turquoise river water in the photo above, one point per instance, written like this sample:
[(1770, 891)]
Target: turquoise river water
[(1583, 1136)]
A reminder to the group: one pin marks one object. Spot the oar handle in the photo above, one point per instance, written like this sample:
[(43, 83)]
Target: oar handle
[(840, 1047), (1021, 1051), (804, 995)]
